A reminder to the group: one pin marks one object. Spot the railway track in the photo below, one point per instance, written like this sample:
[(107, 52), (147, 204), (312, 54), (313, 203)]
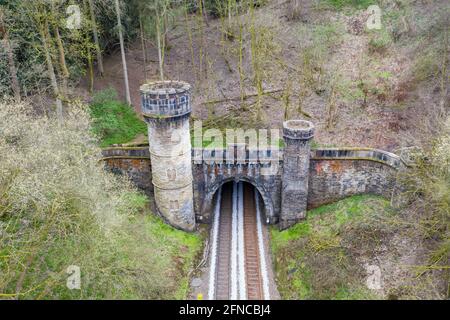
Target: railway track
[(252, 255), (237, 263), (223, 284)]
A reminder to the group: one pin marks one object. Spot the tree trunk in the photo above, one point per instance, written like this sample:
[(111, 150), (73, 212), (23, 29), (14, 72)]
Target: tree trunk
[(122, 50), (91, 72), (51, 70), (9, 51), (62, 55), (89, 57), (62, 60), (143, 45), (160, 46), (189, 33), (96, 41)]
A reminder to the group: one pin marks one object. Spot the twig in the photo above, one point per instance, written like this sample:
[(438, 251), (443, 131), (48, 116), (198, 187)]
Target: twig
[(239, 98)]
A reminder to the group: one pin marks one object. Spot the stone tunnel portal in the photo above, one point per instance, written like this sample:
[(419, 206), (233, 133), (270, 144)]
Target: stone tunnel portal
[(265, 204)]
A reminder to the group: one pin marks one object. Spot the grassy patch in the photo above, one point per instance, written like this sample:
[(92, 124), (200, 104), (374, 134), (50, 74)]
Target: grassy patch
[(315, 260), (358, 4), (181, 249), (380, 40), (145, 259), (114, 122)]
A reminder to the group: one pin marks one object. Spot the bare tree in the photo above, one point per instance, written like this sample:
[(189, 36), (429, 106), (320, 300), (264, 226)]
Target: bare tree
[(143, 44), (45, 39), (160, 9), (122, 50), (9, 51), (96, 41), (62, 54)]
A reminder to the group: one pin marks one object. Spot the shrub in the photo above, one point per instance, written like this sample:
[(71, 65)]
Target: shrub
[(426, 66), (359, 4), (379, 41), (427, 186), (113, 121), (59, 207), (314, 259), (218, 8)]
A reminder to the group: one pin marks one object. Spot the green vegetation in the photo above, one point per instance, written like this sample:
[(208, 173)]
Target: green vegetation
[(380, 40), (359, 4), (60, 208), (427, 189), (114, 122), (426, 66), (314, 259)]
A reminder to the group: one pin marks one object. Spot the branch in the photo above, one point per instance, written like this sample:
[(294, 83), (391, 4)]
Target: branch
[(245, 97)]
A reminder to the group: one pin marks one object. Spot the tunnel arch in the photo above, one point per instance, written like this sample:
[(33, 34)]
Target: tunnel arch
[(207, 206)]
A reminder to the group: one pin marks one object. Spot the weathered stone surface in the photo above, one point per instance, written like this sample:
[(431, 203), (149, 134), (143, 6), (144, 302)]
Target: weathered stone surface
[(333, 174), (297, 136), (139, 171), (335, 179), (184, 182), (166, 109), (208, 177)]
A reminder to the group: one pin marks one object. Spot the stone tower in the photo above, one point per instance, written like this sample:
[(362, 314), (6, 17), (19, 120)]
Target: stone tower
[(166, 107), (297, 138)]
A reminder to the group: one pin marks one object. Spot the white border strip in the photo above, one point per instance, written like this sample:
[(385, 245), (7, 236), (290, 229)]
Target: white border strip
[(234, 270), (241, 244), (263, 265), (215, 241)]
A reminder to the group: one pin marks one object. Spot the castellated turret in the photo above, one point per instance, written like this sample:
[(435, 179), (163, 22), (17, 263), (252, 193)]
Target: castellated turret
[(166, 107), (297, 138)]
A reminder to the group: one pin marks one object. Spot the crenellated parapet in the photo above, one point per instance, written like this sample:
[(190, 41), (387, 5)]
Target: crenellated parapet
[(165, 99)]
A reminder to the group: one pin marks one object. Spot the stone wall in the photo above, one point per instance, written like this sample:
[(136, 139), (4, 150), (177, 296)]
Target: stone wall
[(339, 173), (209, 177), (133, 162), (333, 175)]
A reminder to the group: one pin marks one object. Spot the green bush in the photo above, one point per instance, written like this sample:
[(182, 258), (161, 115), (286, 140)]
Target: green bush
[(426, 66), (114, 122), (314, 258), (59, 207), (379, 41)]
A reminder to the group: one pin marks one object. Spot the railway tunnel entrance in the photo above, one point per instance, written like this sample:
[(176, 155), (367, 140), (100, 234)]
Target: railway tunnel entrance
[(238, 263)]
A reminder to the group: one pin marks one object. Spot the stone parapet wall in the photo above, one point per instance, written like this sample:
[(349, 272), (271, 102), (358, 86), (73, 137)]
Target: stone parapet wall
[(337, 173), (369, 154), (137, 169), (126, 152), (334, 173)]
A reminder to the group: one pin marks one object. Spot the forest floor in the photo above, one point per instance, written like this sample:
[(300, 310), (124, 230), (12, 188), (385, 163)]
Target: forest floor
[(357, 248), (323, 59)]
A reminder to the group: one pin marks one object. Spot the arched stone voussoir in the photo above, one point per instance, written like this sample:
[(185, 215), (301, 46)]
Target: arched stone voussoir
[(211, 190)]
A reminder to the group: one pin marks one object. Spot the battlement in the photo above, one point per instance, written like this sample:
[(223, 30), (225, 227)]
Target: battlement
[(298, 129), (165, 99)]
